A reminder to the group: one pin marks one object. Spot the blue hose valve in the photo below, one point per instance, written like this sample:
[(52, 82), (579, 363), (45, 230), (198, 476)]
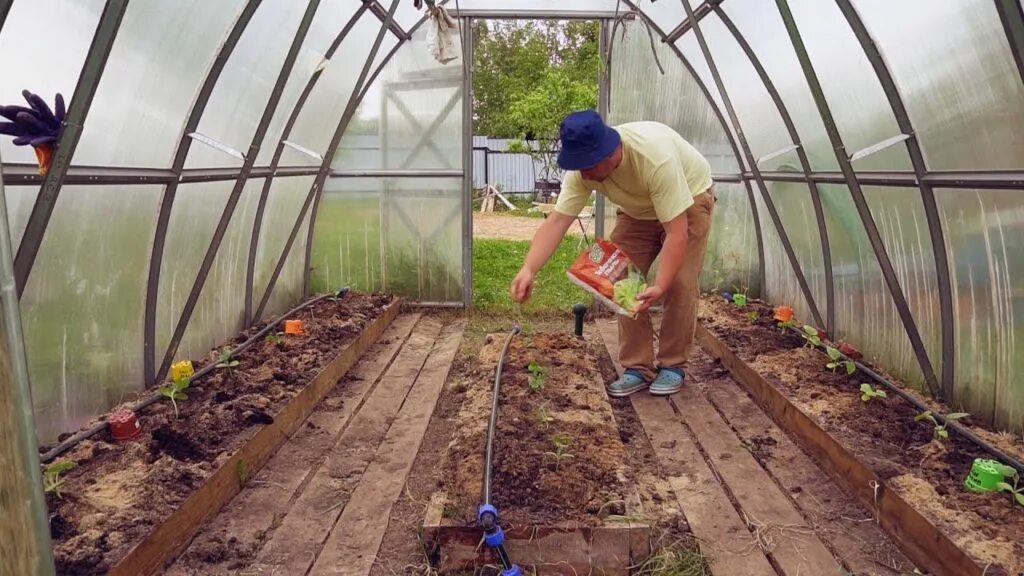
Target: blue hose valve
[(341, 293), (515, 570)]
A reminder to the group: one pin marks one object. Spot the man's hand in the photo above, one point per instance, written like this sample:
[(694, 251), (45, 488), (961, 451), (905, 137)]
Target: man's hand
[(522, 286), (648, 297)]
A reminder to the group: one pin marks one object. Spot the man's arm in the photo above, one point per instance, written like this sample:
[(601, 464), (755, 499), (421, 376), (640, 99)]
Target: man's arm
[(672, 252), (544, 244)]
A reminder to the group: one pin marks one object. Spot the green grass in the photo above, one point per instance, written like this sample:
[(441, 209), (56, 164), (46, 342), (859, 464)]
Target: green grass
[(675, 561), (496, 262)]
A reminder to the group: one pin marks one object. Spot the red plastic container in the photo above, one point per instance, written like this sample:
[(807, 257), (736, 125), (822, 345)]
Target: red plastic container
[(124, 425)]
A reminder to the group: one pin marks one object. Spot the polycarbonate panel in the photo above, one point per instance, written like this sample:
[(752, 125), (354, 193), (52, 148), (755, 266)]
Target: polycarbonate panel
[(792, 200), (330, 18), (243, 89), (760, 24), (219, 312), (759, 117), (407, 15), (731, 259), (410, 244), (855, 97), (865, 314), (640, 92), (406, 122), (288, 288), (690, 50), (159, 60), (321, 112), (46, 71), (666, 15), (197, 210), (953, 66), (20, 200), (82, 309), (984, 231), (283, 204)]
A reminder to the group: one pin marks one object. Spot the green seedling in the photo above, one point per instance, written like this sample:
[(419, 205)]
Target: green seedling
[(538, 374), (940, 429), (867, 392), (834, 354), (51, 475), (176, 391), (753, 315), (227, 361), (273, 338), (561, 442), (783, 326), (543, 416), (811, 336), (1017, 493)]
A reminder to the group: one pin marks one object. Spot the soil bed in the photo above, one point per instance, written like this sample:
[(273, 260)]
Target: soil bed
[(530, 485), (927, 473), (120, 491)]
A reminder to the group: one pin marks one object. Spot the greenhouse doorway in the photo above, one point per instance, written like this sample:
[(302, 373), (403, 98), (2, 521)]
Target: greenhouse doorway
[(526, 75)]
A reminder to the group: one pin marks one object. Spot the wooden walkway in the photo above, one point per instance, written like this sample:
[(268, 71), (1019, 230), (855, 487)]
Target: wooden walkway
[(756, 503), (322, 503)]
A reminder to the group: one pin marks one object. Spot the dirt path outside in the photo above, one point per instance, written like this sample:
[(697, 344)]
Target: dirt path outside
[(504, 227)]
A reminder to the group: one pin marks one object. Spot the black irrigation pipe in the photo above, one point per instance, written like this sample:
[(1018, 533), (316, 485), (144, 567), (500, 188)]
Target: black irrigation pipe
[(492, 425), (950, 424), (101, 425)]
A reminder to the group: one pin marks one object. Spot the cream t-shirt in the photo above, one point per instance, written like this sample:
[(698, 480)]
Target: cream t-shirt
[(658, 178)]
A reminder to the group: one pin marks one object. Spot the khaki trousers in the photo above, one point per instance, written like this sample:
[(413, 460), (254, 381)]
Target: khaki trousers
[(642, 241)]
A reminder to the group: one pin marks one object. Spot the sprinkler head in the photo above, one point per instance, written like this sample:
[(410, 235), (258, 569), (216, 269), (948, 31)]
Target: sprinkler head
[(580, 310), (517, 329)]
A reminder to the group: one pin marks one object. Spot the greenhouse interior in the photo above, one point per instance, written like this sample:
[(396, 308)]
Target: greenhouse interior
[(316, 287)]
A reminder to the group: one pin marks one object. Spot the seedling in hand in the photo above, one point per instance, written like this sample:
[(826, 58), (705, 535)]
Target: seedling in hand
[(51, 476), (835, 355), (867, 392), (538, 374), (176, 391), (561, 442), (940, 429), (811, 336)]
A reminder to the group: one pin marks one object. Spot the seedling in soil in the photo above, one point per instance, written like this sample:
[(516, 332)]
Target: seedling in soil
[(1017, 493), (227, 361), (784, 317), (176, 391), (753, 315), (811, 336), (940, 429), (543, 416), (867, 392), (561, 443), (538, 374), (835, 355), (51, 475), (273, 338)]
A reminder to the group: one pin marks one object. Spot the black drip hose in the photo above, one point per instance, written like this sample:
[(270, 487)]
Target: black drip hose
[(950, 424), (494, 414), (101, 425)]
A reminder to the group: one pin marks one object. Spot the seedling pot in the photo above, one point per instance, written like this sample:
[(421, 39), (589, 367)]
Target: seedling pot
[(984, 476), (181, 370), (124, 425), (294, 327)]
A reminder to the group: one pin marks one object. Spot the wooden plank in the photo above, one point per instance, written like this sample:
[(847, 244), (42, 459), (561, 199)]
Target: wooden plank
[(861, 545), (778, 526), (722, 535), (920, 540), (169, 539), (293, 547), (352, 546), (269, 494)]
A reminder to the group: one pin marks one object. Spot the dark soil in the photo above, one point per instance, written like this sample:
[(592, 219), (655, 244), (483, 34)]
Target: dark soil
[(883, 434), (530, 485), (119, 492)]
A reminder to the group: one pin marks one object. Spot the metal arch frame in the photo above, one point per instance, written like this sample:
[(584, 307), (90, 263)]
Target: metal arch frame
[(867, 219), (931, 210), (700, 12), (805, 164), (1013, 24), (236, 192), (177, 166), (604, 95), (250, 273), (769, 203), (5, 9), (325, 165), (729, 136), (78, 110)]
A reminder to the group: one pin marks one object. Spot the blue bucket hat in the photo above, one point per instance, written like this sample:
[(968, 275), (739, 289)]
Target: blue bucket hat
[(586, 140)]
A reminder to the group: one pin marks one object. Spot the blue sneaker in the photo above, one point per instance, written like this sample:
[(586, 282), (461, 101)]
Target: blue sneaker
[(669, 381), (631, 381)]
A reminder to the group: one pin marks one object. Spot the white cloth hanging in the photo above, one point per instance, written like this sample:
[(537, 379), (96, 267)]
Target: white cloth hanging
[(439, 35)]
